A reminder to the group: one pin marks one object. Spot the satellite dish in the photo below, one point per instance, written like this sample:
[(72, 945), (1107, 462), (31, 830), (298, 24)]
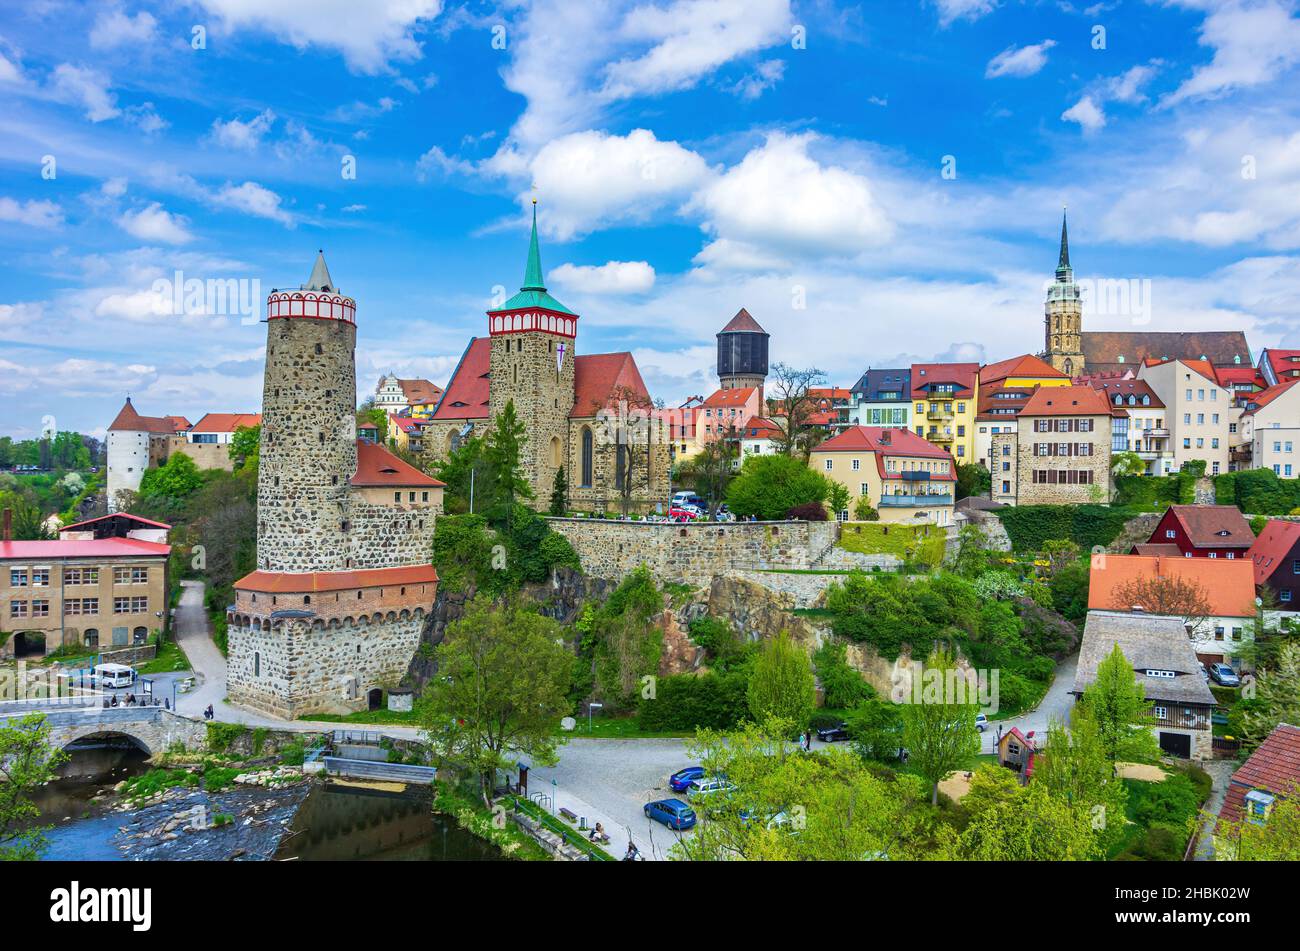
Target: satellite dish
[(568, 723)]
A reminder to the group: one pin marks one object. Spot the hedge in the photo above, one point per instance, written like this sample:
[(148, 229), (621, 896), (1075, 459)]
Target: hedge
[(1257, 491), (690, 701), (1030, 527)]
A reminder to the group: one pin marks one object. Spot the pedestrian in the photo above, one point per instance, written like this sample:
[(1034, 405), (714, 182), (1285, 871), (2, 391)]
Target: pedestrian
[(808, 740)]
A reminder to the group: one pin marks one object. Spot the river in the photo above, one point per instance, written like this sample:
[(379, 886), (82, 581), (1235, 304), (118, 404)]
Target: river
[(335, 822)]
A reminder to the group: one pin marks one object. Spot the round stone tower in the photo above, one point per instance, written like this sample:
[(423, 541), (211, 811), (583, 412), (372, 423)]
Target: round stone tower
[(308, 446), (742, 354), (1063, 315)]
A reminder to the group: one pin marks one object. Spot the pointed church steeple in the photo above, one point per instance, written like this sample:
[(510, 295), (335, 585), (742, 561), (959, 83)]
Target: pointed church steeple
[(320, 276), (1063, 270), (533, 271)]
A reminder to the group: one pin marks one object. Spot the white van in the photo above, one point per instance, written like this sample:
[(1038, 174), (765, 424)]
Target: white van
[(114, 675)]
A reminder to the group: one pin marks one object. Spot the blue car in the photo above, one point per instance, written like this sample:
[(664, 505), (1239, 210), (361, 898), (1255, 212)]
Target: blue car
[(673, 813), (682, 779)]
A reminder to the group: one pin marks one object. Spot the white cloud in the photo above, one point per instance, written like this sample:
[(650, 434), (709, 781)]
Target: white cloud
[(114, 187), (590, 179), (368, 35), (614, 277), (146, 118), (764, 77), (137, 307), (87, 88), (9, 71), (1127, 87), (254, 199), (155, 223), (34, 214), (692, 38), (950, 10), (114, 28), (243, 135), (353, 208), (780, 198), (1086, 113), (1019, 61), (1253, 43)]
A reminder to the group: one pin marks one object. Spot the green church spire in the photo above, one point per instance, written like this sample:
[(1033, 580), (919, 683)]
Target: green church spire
[(533, 273)]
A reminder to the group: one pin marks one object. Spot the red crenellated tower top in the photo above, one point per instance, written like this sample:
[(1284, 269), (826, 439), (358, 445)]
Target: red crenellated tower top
[(318, 299)]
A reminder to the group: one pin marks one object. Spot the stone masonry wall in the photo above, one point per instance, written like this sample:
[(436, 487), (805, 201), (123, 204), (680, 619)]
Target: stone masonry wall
[(693, 553), (308, 445), (293, 666), (525, 368), (1031, 493), (384, 536)]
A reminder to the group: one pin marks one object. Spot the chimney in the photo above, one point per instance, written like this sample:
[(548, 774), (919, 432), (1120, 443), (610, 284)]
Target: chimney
[(9, 525)]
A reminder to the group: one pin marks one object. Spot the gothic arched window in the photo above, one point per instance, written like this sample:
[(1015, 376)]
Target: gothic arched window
[(587, 452)]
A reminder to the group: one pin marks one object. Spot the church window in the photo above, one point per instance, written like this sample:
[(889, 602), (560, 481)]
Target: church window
[(587, 452), (620, 466)]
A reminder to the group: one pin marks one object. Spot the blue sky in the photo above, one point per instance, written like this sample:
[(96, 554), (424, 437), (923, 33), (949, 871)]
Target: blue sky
[(690, 157)]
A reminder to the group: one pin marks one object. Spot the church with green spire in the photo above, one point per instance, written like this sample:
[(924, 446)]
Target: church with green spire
[(1063, 315), (574, 409)]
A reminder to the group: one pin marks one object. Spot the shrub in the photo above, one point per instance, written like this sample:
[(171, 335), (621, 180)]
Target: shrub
[(808, 512), (842, 685), (694, 701), (769, 486), (864, 512)]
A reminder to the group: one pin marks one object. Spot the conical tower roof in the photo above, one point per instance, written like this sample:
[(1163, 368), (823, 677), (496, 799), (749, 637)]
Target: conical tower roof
[(533, 291), (320, 276), (742, 323), (1063, 270)]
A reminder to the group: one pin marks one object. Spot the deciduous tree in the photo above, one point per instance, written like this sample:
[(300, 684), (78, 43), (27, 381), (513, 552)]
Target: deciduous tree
[(27, 762), (939, 730)]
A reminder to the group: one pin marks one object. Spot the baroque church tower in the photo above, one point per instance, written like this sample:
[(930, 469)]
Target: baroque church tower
[(1063, 316), (532, 364)]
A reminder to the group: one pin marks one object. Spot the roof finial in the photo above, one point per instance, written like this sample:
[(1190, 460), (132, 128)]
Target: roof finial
[(320, 275), (1063, 263)]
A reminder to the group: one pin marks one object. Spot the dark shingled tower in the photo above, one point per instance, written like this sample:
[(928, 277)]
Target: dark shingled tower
[(742, 354)]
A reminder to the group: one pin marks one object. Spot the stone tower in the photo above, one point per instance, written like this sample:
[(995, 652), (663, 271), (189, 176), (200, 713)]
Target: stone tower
[(309, 445), (533, 340), (742, 354), (332, 614), (1063, 316)]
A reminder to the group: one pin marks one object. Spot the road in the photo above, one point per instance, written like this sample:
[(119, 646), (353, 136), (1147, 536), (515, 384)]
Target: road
[(1055, 706)]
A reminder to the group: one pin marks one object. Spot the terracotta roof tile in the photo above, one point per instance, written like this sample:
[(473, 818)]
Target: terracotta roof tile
[(1066, 401), (226, 422), (466, 396), (600, 378), (279, 582), (742, 323), (1229, 584), (376, 466), (1274, 766), (963, 375), (1206, 525), (1260, 400), (1026, 365), (1278, 539), (128, 420), (1115, 350)]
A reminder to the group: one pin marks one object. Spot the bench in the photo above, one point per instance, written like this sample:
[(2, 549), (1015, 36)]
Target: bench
[(568, 814)]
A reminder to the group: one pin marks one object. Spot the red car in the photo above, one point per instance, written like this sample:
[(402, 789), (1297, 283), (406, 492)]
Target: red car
[(683, 515)]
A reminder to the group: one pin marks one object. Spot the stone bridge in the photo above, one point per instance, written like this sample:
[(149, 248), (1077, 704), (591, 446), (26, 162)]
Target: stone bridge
[(153, 729)]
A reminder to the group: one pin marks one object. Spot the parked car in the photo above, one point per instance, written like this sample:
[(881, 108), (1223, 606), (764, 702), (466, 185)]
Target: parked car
[(681, 780), (708, 787), (683, 515), (673, 813), (1224, 676), (687, 498), (833, 734), (981, 722), (1205, 674)]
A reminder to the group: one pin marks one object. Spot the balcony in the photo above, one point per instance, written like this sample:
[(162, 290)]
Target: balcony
[(939, 414), (1152, 433), (914, 476), (936, 435), (915, 501)]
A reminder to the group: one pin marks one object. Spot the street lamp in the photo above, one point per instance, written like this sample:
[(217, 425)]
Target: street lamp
[(590, 707)]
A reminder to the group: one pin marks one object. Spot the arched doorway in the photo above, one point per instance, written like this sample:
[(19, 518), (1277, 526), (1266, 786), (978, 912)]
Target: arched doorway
[(139, 635), (374, 698), (29, 644)]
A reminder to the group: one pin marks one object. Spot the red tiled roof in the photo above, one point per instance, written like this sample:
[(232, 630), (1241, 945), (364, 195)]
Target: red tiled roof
[(1167, 550), (1066, 401), (1229, 584), (737, 396), (742, 323), (1126, 388), (1283, 362), (127, 515), (377, 466), (1274, 767), (1260, 400), (602, 378), (87, 548), (1246, 374), (466, 396), (760, 428), (1274, 543), (128, 420), (963, 375), (1026, 365), (226, 422), (884, 441), (1204, 525), (420, 391), (281, 582), (991, 397)]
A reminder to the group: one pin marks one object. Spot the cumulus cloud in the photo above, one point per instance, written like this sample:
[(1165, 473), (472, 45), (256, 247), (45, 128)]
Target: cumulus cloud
[(950, 10), (85, 88), (782, 199), (369, 35), (114, 28), (1086, 113), (590, 179), (1019, 61), (764, 77), (614, 277), (254, 199), (34, 214), (243, 135), (155, 223), (1253, 43)]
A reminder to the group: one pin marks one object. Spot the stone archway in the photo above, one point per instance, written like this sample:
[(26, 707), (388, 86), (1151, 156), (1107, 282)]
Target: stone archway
[(29, 644)]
